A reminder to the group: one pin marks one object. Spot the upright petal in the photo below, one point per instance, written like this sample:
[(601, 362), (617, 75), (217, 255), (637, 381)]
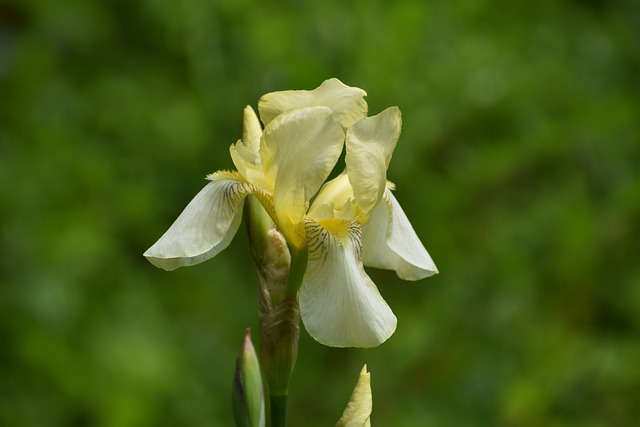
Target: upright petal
[(248, 148), (339, 304), (334, 200), (298, 150), (390, 243), (250, 172), (246, 152), (251, 133), (205, 227), (370, 144), (347, 103)]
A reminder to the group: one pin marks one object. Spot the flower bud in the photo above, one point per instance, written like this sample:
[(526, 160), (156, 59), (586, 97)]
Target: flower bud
[(277, 304), (358, 410), (248, 392), (269, 252)]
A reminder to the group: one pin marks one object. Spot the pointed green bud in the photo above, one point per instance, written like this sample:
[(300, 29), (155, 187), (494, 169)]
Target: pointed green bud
[(358, 410), (248, 393)]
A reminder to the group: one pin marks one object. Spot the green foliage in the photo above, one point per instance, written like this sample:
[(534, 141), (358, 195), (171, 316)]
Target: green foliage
[(518, 166)]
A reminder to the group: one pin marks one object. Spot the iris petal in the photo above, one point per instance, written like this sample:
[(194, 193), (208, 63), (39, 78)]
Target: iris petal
[(390, 243), (334, 200), (250, 172), (370, 144), (247, 149), (347, 103), (298, 151), (339, 304), (246, 152), (251, 133), (205, 227)]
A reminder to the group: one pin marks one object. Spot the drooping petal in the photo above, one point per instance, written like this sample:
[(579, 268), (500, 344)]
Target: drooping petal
[(298, 151), (358, 410), (339, 304), (370, 143), (390, 243), (205, 227), (347, 103)]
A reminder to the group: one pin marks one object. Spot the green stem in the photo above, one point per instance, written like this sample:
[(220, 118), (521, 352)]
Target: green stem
[(280, 271), (278, 410), (297, 270)]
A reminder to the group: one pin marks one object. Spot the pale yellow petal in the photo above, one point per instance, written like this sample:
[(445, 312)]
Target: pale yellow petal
[(339, 304), (370, 144), (247, 149), (246, 152), (347, 103), (205, 227), (298, 151), (252, 173), (358, 410), (334, 200), (391, 243), (251, 133)]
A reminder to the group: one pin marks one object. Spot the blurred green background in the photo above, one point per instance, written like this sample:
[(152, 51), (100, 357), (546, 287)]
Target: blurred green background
[(518, 166)]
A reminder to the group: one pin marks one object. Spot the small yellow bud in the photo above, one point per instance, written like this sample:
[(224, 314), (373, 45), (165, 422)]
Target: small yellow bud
[(358, 410)]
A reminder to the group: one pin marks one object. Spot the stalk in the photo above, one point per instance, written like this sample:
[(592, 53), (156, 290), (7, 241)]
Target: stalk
[(280, 273)]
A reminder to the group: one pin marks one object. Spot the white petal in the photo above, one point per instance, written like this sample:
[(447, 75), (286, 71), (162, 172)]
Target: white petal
[(298, 150), (347, 103), (205, 227), (370, 143), (339, 304), (391, 243)]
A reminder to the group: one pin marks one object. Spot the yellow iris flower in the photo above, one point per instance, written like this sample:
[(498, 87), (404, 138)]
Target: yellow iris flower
[(350, 221)]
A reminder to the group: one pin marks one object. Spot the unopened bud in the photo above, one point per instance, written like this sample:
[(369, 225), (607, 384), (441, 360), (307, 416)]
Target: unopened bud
[(277, 304), (358, 410), (248, 392), (270, 254)]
